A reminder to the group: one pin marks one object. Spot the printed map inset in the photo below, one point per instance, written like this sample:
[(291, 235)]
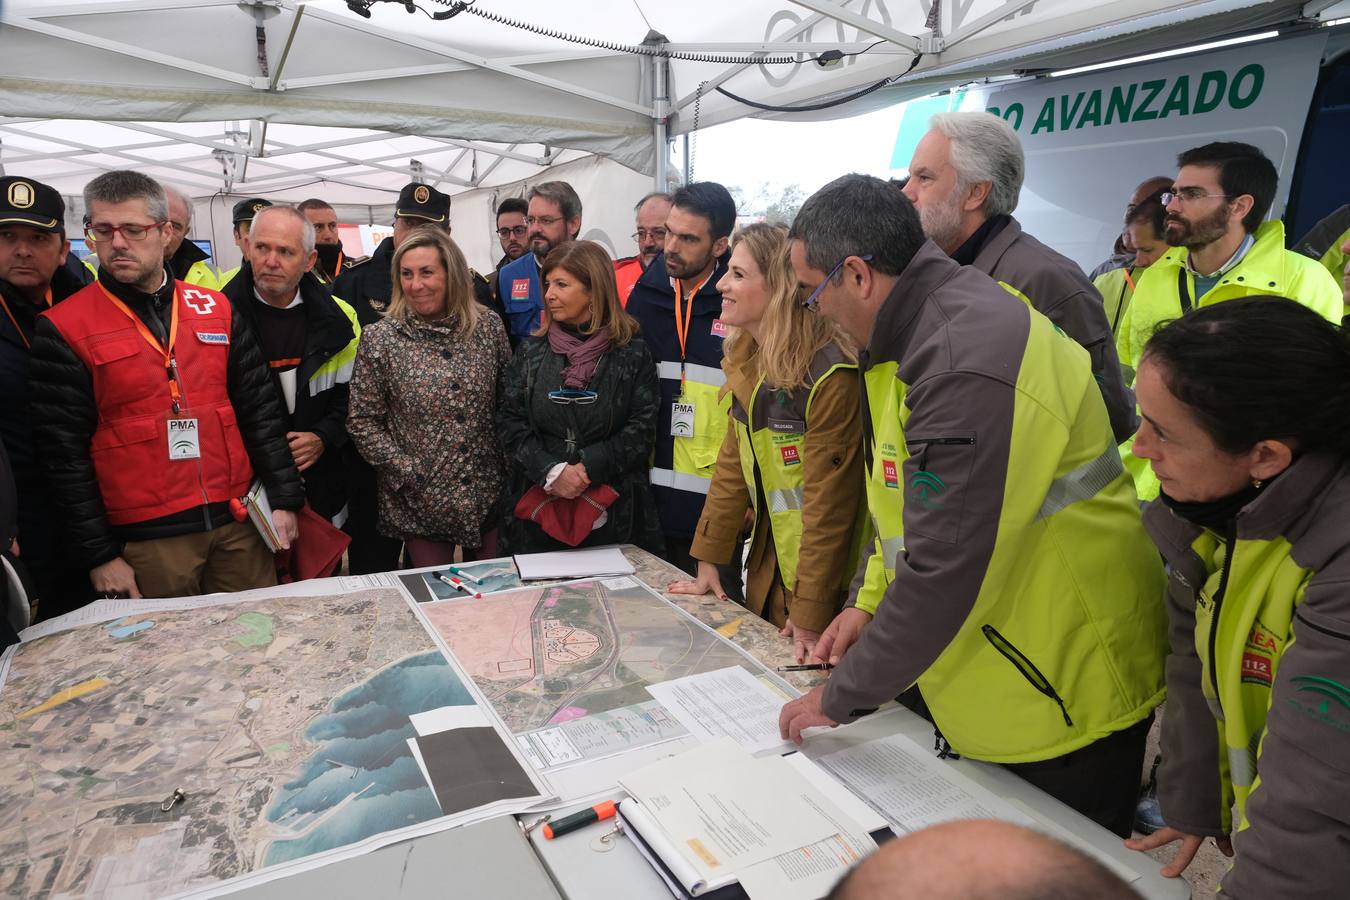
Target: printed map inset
[(284, 721), (568, 665)]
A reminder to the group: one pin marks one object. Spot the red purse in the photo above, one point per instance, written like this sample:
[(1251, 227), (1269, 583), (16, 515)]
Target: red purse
[(566, 520)]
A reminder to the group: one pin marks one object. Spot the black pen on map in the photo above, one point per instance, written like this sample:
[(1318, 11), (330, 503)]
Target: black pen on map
[(812, 667), (456, 583)]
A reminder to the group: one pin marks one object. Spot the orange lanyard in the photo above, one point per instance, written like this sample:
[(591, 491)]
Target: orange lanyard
[(338, 268), (170, 364), (1128, 279), (15, 322), (682, 323)]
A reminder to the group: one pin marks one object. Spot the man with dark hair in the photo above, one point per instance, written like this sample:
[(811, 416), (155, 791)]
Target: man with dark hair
[(1220, 250), (331, 261), (308, 339), (1122, 252), (185, 259), (242, 217), (979, 859), (151, 403), (554, 218), (677, 304), (998, 500), (651, 213), (33, 247), (966, 180), (511, 229)]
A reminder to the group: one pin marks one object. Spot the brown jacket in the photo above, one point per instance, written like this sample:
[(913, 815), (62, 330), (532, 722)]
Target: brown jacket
[(832, 461)]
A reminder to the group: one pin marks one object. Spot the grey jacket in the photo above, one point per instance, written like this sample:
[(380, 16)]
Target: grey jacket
[(1058, 289)]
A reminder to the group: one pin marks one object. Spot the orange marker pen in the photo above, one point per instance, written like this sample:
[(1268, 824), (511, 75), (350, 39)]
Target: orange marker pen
[(597, 813)]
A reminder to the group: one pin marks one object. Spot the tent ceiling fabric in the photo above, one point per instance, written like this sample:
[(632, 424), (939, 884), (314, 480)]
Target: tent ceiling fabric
[(353, 101)]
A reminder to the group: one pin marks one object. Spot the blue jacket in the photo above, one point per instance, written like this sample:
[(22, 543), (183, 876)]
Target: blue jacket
[(652, 303), (521, 295)]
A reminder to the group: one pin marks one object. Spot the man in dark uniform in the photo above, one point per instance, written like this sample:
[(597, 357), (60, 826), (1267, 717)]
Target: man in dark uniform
[(367, 285), (33, 277)]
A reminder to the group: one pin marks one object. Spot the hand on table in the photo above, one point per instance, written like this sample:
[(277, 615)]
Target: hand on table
[(1190, 844), (707, 582), (803, 640), (802, 713), (841, 634)]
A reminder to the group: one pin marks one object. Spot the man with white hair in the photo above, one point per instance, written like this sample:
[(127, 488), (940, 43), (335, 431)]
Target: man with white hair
[(185, 259), (965, 179), (308, 340)]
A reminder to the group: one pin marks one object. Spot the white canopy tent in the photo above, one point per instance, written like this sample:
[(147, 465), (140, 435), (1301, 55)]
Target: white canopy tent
[(272, 97)]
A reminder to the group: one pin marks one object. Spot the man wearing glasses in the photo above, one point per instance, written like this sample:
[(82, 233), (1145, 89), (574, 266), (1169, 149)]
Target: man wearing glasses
[(553, 219), (152, 404), (185, 259), (1221, 250), (1000, 502), (652, 212)]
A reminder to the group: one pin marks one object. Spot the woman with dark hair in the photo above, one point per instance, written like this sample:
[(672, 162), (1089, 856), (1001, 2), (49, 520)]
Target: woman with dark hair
[(1245, 408), (578, 417), (428, 377), (1144, 224)]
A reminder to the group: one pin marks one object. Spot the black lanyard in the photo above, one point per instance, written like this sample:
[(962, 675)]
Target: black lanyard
[(1184, 289)]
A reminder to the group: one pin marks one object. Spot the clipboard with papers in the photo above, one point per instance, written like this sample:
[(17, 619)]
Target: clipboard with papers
[(718, 823), (255, 507)]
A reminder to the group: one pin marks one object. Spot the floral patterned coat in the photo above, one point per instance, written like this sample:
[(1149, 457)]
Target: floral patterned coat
[(422, 412)]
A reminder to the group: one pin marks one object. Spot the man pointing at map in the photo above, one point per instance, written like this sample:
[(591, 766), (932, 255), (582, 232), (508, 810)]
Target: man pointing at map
[(154, 408)]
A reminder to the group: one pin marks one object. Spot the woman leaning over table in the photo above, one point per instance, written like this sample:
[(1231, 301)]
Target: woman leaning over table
[(579, 409), (428, 378), (1244, 407), (794, 452)]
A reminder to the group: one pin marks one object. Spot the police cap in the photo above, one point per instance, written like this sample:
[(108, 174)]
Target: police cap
[(245, 210), (422, 201), (24, 201)]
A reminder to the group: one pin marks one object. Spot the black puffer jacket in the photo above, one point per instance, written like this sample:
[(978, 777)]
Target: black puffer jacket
[(65, 417)]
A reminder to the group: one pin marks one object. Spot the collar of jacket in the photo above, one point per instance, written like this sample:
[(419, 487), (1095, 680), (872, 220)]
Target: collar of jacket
[(1286, 508), (741, 378), (968, 252), (893, 329), (133, 296), (413, 324), (707, 301), (327, 328), (1265, 266), (988, 256), (184, 257), (64, 283)]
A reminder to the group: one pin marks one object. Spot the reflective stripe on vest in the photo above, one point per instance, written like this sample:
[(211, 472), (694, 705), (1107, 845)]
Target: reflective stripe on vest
[(680, 481), (886, 410), (692, 372), (1082, 483)]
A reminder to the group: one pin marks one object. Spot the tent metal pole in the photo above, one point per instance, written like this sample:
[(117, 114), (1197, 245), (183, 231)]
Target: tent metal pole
[(660, 107)]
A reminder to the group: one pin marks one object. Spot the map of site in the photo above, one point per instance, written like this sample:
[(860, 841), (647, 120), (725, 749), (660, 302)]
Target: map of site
[(566, 666), (284, 722)]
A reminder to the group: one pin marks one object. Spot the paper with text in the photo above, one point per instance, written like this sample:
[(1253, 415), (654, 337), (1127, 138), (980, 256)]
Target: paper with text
[(727, 702)]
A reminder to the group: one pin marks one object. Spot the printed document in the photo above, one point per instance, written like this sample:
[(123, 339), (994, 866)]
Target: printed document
[(726, 702)]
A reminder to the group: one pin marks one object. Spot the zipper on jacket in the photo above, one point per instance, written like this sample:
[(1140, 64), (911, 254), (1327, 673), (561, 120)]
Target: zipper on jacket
[(1230, 543), (1026, 667), (1298, 614), (925, 443)]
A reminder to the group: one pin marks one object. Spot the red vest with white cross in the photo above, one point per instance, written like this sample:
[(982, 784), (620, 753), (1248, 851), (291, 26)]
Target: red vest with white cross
[(130, 447)]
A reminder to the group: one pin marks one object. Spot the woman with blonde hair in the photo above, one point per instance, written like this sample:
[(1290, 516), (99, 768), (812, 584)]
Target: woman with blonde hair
[(578, 416), (428, 379), (793, 455)]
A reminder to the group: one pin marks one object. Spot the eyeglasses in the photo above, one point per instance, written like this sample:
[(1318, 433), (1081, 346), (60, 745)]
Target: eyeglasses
[(1190, 195), (98, 233), (571, 395), (546, 221), (811, 301), (656, 234), (518, 231), (180, 227)]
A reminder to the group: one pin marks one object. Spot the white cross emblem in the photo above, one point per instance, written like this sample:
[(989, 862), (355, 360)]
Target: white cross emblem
[(201, 302)]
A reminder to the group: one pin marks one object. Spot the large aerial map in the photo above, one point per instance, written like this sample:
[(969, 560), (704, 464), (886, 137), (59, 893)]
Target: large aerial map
[(283, 722), (566, 666)]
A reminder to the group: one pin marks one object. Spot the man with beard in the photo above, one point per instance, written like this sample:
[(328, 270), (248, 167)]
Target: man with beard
[(965, 179), (651, 213), (331, 261), (511, 229), (185, 259), (554, 219), (1221, 250), (677, 303)]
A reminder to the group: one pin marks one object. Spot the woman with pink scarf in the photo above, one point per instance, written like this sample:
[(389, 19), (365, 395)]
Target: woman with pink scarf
[(578, 417)]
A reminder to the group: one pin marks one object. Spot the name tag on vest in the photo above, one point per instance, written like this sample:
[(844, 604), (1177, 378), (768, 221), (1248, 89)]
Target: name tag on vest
[(719, 329), (213, 337), (184, 439), (682, 420), (791, 426), (520, 289)]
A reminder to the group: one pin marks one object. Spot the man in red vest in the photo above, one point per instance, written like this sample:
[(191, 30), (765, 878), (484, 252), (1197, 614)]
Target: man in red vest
[(154, 410), (651, 212)]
